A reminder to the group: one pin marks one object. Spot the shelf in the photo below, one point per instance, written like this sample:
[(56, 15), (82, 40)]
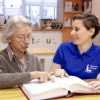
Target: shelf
[(74, 12), (67, 18), (42, 29), (39, 29), (47, 29), (67, 26), (51, 29)]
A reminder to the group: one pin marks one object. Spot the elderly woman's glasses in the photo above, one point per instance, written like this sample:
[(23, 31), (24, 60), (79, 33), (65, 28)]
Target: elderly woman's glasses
[(23, 38)]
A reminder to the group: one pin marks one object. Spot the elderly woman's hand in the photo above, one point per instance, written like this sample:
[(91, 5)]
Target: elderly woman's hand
[(95, 86), (41, 76), (59, 73)]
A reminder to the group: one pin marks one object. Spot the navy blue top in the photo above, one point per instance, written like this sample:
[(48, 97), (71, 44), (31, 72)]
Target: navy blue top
[(85, 66)]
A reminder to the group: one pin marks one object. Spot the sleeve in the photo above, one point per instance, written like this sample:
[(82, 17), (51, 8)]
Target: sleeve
[(57, 57), (8, 80)]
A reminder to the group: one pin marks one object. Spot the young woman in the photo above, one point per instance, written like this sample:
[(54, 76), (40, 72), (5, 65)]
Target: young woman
[(81, 57)]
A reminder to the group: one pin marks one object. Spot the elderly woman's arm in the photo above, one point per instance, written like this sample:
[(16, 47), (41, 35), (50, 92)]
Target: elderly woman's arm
[(8, 80)]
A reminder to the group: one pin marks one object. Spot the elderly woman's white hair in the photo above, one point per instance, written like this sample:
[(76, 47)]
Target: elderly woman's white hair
[(13, 23)]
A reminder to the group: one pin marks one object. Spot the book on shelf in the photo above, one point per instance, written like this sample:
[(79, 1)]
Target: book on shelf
[(68, 6), (87, 6), (35, 90)]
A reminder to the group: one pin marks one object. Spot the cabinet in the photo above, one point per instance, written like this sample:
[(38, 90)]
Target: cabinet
[(67, 28), (46, 39), (52, 39), (37, 40)]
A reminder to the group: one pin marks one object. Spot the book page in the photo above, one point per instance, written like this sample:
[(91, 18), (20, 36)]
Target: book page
[(73, 83), (35, 87)]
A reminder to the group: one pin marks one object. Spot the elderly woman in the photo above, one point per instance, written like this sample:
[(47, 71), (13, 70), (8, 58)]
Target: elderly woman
[(17, 66)]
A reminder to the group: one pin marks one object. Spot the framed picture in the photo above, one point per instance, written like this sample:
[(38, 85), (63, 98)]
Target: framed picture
[(44, 23), (68, 6), (67, 21)]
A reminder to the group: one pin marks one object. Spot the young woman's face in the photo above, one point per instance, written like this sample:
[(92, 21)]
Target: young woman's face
[(79, 33), (20, 39)]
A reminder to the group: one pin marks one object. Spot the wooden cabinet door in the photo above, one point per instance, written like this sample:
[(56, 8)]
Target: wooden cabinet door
[(37, 40), (52, 39)]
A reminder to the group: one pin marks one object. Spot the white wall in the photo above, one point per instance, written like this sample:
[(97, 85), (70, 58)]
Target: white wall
[(96, 10)]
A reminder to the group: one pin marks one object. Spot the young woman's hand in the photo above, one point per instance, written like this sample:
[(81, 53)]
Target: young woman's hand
[(95, 86), (59, 73)]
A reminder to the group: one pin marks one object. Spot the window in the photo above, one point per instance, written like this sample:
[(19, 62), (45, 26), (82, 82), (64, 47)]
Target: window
[(35, 10), (33, 13), (13, 3), (1, 6), (13, 7), (50, 1), (49, 12), (41, 9)]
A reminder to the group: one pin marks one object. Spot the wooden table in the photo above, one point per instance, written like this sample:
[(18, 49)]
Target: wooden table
[(12, 94), (16, 94), (42, 53)]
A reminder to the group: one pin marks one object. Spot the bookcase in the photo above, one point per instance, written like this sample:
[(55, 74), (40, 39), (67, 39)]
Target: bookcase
[(68, 13)]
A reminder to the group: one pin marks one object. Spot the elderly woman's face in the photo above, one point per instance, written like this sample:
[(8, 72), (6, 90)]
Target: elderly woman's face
[(20, 39)]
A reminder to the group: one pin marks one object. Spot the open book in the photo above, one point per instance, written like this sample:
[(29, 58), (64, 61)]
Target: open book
[(35, 90)]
